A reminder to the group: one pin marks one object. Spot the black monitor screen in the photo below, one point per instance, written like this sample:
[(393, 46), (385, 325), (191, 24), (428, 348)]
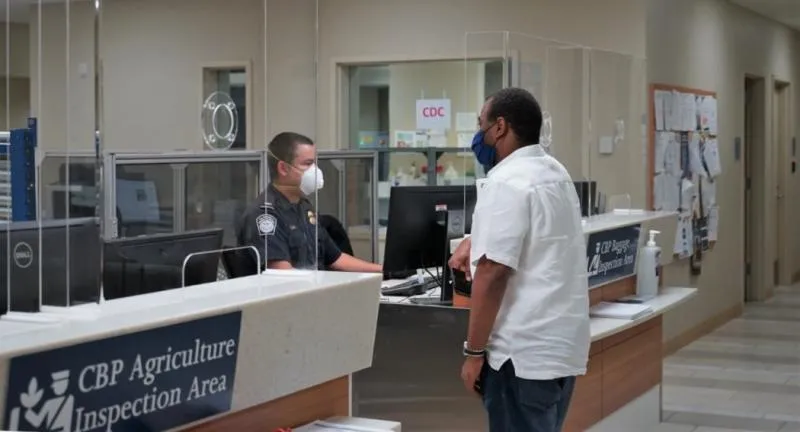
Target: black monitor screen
[(416, 236), (72, 269), (153, 263)]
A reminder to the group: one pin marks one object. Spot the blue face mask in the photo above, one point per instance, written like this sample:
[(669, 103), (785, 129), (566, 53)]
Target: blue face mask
[(484, 153)]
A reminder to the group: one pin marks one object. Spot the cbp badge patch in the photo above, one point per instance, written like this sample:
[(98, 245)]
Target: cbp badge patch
[(266, 224)]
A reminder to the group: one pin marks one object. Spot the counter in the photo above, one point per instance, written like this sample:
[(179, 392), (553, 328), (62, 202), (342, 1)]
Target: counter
[(252, 353), (415, 375)]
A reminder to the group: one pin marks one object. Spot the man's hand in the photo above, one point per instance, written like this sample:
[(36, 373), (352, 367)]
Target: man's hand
[(460, 259), (471, 371)]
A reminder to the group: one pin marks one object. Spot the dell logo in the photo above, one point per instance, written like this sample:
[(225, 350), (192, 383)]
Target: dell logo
[(23, 255)]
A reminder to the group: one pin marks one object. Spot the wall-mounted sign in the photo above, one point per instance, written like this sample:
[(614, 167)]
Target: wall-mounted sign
[(152, 380), (433, 114), (611, 255)]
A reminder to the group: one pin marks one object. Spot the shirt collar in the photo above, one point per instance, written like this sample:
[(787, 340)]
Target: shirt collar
[(274, 197), (534, 150)]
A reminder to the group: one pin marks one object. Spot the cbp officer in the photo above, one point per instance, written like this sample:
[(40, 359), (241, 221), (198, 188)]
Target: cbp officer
[(283, 219)]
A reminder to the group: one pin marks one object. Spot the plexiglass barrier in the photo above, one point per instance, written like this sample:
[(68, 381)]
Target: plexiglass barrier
[(347, 206), (176, 192)]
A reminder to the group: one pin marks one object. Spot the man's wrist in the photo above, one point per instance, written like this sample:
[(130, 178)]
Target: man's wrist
[(470, 351)]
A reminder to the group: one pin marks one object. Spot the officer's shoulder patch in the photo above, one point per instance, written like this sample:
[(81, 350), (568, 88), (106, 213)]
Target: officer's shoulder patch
[(266, 224)]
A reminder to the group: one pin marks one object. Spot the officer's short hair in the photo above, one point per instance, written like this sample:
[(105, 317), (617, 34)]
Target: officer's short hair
[(520, 110), (283, 147)]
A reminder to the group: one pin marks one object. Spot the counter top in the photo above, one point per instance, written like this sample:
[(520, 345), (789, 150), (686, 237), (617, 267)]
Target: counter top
[(668, 298), (168, 307)]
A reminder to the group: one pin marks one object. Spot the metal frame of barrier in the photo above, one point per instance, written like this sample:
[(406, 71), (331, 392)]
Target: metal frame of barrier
[(332, 155), (18, 187), (178, 161), (220, 251)]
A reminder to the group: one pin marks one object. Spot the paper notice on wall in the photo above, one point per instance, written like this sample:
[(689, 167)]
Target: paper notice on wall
[(688, 110), (709, 193), (667, 192), (695, 159), (713, 223), (466, 122), (707, 113), (711, 157), (684, 237), (659, 100)]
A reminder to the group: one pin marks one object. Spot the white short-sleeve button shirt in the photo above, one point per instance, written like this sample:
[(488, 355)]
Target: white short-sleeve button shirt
[(527, 217)]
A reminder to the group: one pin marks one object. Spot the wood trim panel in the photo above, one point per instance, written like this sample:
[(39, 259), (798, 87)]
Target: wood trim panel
[(630, 369), (586, 407), (319, 402), (623, 336), (621, 368), (619, 289)]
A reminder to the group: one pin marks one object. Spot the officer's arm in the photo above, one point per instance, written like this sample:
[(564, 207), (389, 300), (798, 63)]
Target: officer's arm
[(349, 263), (279, 265)]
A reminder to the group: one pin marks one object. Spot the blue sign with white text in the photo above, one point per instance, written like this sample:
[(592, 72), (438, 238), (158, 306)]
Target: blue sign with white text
[(151, 380), (611, 254)]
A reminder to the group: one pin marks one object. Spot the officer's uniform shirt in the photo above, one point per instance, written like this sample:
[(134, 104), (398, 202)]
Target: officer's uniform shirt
[(287, 230), (527, 217)]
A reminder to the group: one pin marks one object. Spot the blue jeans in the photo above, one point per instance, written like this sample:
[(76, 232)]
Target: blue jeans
[(519, 405)]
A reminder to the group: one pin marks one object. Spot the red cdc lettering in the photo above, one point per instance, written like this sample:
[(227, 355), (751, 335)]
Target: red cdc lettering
[(433, 112)]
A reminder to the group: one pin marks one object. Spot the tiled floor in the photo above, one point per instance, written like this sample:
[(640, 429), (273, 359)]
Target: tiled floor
[(745, 376)]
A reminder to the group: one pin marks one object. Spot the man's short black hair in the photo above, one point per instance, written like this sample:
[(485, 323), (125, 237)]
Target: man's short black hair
[(283, 148), (520, 110)]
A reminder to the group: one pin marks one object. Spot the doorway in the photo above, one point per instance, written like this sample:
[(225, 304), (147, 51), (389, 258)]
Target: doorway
[(781, 136), (755, 158)]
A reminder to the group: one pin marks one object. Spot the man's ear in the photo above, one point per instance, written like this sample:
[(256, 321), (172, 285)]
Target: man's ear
[(502, 127), (283, 168)]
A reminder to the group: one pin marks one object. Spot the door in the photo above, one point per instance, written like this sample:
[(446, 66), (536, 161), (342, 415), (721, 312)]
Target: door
[(780, 133)]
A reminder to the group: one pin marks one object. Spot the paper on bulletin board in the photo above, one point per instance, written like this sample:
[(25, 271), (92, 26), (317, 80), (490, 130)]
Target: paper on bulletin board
[(695, 159), (711, 157), (667, 192), (466, 122), (707, 112), (688, 110), (659, 109), (709, 193), (684, 237), (465, 139), (688, 195), (713, 223)]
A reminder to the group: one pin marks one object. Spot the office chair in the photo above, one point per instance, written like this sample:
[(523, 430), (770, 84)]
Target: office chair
[(336, 231)]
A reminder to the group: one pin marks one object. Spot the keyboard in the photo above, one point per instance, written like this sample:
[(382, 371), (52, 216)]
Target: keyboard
[(409, 287)]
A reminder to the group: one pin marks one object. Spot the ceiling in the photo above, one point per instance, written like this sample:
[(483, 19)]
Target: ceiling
[(783, 11)]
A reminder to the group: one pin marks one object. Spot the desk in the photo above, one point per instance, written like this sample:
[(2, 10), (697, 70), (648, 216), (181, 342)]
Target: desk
[(286, 346), (415, 375)]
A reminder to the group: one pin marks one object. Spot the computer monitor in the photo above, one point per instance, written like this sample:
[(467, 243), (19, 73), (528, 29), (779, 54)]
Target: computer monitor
[(587, 194), (422, 219), (153, 263), (78, 273)]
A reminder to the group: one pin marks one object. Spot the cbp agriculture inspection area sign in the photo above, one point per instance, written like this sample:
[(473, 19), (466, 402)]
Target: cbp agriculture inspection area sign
[(151, 380), (611, 254)]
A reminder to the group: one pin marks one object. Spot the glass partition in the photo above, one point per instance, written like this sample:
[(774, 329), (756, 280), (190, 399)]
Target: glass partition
[(79, 197), (618, 134), (346, 206)]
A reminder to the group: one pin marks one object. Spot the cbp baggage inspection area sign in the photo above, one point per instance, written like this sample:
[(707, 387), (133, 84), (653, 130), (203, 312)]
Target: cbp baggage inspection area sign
[(151, 380), (611, 255)]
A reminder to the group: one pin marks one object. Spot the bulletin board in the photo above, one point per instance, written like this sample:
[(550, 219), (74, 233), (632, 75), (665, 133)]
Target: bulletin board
[(684, 163)]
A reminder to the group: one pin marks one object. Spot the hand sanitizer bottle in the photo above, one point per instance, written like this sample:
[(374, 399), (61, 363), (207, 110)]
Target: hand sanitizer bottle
[(648, 270)]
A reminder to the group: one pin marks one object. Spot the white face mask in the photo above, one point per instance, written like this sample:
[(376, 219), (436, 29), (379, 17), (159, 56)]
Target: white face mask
[(312, 180)]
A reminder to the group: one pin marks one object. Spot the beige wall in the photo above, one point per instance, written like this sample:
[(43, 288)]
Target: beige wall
[(357, 31), (153, 52), (711, 45), (19, 52)]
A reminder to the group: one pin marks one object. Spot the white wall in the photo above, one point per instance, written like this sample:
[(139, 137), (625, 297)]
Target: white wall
[(711, 45)]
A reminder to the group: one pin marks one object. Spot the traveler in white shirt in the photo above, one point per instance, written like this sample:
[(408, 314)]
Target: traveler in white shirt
[(528, 334)]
